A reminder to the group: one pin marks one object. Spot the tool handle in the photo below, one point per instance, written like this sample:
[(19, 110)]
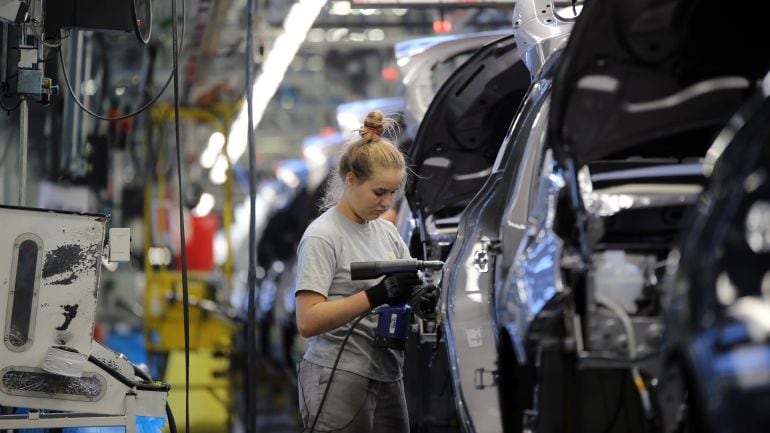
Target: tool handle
[(369, 270)]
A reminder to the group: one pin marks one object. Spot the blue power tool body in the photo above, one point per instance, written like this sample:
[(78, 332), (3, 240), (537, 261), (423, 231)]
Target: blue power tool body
[(393, 322)]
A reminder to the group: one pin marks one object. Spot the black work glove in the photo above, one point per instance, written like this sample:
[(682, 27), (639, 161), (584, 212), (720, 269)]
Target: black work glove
[(393, 289), (426, 303)]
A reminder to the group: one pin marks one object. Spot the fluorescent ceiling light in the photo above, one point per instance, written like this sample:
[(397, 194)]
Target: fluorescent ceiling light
[(214, 147), (376, 34), (218, 173), (340, 8), (205, 205), (295, 27)]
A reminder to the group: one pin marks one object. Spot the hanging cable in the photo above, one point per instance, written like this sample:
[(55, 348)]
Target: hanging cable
[(185, 290), (251, 345), (170, 417), (334, 368), (143, 108)]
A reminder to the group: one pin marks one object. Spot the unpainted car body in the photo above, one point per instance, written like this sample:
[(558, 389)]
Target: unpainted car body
[(636, 102), (453, 153)]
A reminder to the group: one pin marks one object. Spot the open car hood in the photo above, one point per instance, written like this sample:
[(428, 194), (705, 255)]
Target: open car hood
[(461, 133), (418, 59), (636, 74)]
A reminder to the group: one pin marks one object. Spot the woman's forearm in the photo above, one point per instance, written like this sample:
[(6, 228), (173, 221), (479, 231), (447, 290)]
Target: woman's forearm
[(316, 316)]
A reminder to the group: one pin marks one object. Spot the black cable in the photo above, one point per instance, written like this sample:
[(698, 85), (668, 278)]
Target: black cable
[(144, 107), (128, 382), (185, 289), (334, 367), (8, 110), (251, 349), (171, 420), (412, 300), (5, 92)]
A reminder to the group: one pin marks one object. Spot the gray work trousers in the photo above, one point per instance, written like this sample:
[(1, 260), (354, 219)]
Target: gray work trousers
[(354, 404)]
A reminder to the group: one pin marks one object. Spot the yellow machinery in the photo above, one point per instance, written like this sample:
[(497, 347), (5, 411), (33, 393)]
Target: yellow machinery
[(212, 328)]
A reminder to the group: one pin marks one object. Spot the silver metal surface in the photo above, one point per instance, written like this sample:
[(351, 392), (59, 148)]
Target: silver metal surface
[(54, 260), (540, 31), (24, 148), (474, 262), (29, 81), (36, 420), (471, 338), (69, 276), (535, 276), (525, 184)]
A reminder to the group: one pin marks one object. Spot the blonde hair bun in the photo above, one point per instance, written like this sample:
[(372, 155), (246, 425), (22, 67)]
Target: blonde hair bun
[(373, 127), (364, 156)]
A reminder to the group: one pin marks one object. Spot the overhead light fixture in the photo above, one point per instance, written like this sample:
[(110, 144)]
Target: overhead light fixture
[(375, 34), (214, 147), (205, 205), (218, 173), (340, 8), (295, 28), (357, 37), (316, 35)]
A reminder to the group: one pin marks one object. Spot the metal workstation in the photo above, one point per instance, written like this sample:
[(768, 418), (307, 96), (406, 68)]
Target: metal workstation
[(569, 233)]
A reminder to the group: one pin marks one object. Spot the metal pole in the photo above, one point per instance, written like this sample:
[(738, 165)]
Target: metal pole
[(23, 131), (77, 116), (85, 121), (24, 142)]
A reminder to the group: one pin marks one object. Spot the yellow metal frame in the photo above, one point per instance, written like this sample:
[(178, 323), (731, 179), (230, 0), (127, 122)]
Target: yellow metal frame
[(209, 330)]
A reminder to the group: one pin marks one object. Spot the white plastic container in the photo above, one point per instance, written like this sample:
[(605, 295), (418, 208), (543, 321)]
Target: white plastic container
[(619, 280)]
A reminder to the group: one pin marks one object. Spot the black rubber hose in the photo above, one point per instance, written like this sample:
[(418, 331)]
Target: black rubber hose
[(334, 367), (183, 249)]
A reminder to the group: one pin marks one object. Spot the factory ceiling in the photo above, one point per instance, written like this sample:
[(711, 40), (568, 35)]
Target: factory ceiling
[(346, 55)]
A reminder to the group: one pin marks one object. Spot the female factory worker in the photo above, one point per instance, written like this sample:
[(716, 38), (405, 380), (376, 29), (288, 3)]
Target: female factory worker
[(367, 392)]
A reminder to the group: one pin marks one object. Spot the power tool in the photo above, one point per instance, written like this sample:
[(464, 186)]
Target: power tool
[(393, 323)]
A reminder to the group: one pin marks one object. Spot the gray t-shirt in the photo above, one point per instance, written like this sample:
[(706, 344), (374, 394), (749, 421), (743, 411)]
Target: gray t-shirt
[(326, 249)]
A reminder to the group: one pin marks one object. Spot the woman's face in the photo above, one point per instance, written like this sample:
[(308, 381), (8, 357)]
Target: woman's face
[(371, 198)]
